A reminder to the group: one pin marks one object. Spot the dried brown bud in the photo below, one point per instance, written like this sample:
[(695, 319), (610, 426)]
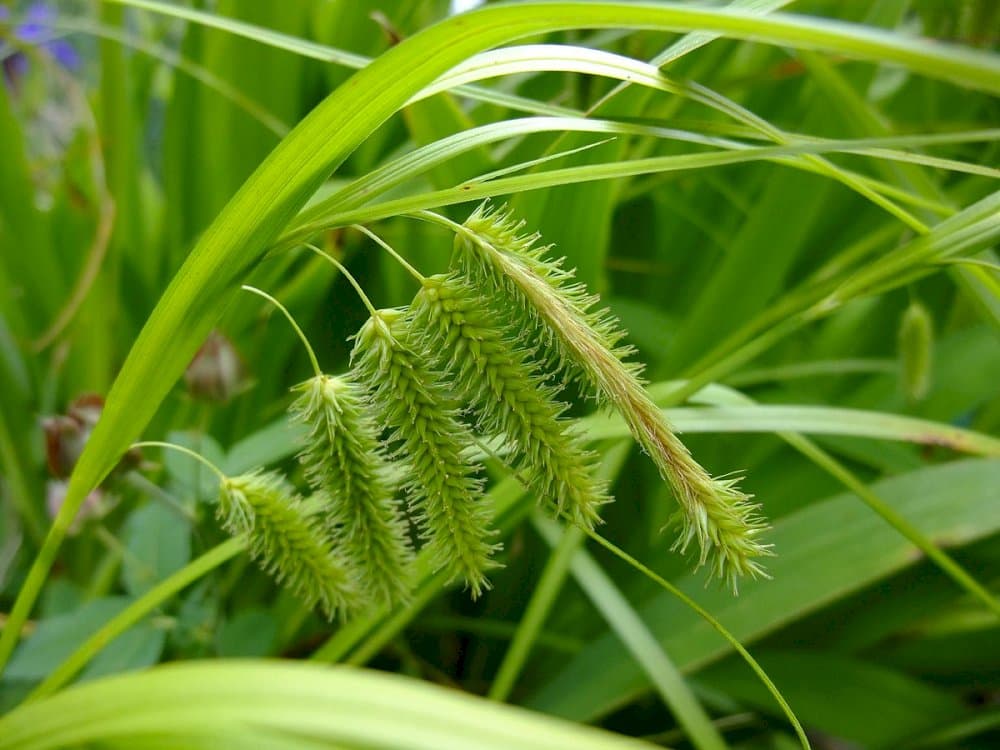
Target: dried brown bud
[(216, 372), (67, 434), (95, 506)]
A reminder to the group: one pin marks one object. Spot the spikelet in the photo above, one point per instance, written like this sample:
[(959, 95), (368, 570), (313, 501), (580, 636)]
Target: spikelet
[(494, 374), (586, 342), (285, 541), (344, 462), (916, 351), (445, 495)]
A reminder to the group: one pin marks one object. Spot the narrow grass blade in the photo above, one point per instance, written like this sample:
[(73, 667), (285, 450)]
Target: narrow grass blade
[(632, 631)]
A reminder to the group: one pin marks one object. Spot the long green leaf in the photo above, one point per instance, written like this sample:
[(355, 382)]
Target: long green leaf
[(814, 420), (343, 708), (629, 627)]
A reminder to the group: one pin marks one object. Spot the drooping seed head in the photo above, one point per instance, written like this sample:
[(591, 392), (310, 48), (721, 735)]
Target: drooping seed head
[(445, 493), (344, 462), (285, 541), (491, 250), (494, 373)]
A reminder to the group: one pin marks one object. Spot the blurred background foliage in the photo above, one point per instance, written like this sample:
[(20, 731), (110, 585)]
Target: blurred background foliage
[(123, 133)]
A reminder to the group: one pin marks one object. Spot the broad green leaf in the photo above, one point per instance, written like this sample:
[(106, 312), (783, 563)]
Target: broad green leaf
[(157, 542), (134, 649), (57, 637), (823, 553), (192, 477), (268, 445), (251, 632)]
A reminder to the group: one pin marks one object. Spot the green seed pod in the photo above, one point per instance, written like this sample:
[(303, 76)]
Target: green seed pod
[(285, 541), (445, 495), (344, 461), (585, 342), (495, 375), (916, 351)]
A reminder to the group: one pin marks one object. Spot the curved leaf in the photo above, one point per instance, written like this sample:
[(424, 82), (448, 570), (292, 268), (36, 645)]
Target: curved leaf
[(341, 707)]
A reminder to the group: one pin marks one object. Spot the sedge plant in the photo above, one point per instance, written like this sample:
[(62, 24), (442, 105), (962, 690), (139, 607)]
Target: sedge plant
[(793, 218)]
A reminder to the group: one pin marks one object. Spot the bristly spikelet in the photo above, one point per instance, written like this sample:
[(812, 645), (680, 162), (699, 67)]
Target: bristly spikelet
[(285, 541), (916, 351), (344, 461), (713, 512), (445, 495), (494, 374)]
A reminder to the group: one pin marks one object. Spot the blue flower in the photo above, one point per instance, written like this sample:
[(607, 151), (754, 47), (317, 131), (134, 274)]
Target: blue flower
[(36, 29)]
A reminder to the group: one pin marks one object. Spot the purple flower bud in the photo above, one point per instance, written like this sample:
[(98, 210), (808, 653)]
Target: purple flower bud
[(36, 29), (64, 53)]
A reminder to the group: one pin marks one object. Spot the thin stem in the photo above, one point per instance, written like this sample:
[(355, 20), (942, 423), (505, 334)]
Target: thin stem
[(716, 625), (186, 451), (132, 614), (685, 599), (295, 325), (389, 249), (976, 262), (549, 585), (639, 641), (347, 274), (444, 221)]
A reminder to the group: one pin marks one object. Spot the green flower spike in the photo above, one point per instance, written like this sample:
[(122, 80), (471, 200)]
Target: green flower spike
[(445, 494), (495, 375), (286, 542), (584, 341), (344, 460), (346, 466)]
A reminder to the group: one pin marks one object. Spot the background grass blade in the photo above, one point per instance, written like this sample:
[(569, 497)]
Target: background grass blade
[(629, 627)]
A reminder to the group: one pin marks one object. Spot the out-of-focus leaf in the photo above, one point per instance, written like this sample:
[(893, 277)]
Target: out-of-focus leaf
[(345, 708), (57, 637), (843, 697), (251, 632), (158, 542)]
